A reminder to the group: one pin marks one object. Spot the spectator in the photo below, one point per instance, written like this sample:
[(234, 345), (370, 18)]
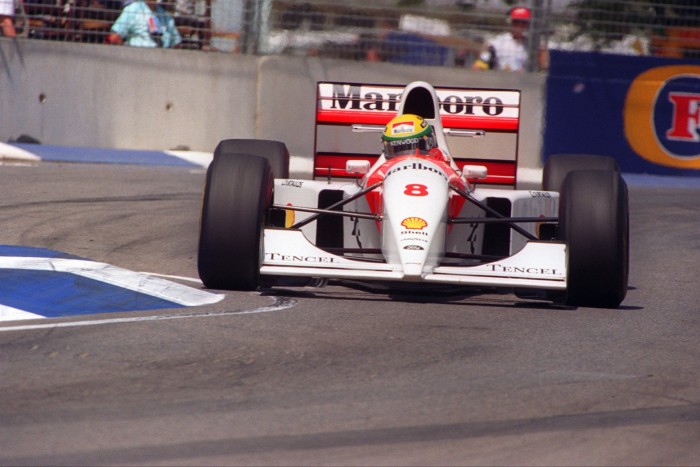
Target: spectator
[(7, 22), (508, 51), (136, 26), (169, 35), (395, 46)]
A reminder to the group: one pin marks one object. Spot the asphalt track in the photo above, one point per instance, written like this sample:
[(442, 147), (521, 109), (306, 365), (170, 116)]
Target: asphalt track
[(337, 375)]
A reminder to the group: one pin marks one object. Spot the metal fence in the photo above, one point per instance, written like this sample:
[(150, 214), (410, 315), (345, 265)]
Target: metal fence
[(434, 32)]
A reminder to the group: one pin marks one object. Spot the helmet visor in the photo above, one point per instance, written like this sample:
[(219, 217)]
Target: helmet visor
[(401, 147)]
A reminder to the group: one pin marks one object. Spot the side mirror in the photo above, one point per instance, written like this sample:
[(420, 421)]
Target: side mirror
[(357, 167), (474, 171)]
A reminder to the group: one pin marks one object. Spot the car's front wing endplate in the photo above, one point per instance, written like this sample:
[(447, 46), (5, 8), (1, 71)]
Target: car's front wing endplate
[(539, 265)]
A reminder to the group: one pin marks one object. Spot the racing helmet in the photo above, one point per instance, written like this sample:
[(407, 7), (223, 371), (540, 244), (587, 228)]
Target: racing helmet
[(408, 134)]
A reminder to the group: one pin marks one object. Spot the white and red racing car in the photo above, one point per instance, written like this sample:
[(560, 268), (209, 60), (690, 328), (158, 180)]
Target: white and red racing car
[(452, 216)]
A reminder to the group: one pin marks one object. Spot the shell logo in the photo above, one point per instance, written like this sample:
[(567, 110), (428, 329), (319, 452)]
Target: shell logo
[(414, 223)]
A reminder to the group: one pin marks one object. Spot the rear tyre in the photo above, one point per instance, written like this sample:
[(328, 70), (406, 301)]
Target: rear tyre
[(558, 166), (274, 151), (237, 197), (594, 222)]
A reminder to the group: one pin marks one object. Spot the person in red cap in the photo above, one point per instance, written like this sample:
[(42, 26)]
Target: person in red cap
[(508, 51)]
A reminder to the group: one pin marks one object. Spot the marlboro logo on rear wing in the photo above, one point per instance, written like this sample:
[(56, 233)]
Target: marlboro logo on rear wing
[(463, 111)]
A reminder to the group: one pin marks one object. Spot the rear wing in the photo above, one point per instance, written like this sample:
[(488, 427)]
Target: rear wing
[(347, 112)]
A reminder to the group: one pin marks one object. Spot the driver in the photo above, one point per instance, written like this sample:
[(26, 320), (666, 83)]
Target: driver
[(408, 134)]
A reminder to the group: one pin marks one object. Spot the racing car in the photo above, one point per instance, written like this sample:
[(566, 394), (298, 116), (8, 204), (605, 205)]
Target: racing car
[(389, 201)]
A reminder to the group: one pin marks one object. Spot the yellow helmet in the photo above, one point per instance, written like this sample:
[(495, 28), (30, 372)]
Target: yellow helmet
[(408, 134)]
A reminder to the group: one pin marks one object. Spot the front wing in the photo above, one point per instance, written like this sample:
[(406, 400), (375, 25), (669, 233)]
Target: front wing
[(539, 265)]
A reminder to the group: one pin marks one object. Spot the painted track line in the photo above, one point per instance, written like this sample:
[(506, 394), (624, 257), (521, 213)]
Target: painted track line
[(170, 276), (281, 303)]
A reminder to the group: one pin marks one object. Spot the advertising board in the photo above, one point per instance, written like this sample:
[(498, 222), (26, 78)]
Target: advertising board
[(644, 111)]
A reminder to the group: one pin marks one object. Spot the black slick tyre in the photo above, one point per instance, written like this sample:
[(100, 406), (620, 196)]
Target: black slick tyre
[(594, 222), (274, 151), (237, 197), (559, 165)]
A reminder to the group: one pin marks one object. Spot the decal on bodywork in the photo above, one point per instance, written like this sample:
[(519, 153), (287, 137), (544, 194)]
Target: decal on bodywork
[(414, 223)]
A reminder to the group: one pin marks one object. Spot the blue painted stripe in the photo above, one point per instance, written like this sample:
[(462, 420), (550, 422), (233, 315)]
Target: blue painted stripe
[(33, 252), (38, 282), (103, 155), (53, 294)]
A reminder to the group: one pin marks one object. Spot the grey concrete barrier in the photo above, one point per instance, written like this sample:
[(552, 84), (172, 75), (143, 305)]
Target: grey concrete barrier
[(92, 95)]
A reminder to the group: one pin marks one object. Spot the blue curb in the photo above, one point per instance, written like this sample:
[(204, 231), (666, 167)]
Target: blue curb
[(102, 156)]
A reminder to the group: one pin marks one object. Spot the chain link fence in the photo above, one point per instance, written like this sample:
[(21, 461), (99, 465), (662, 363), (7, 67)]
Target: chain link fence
[(430, 32)]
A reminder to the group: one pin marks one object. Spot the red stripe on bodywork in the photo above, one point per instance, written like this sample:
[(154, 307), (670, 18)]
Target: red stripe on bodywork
[(462, 122), (499, 172), (349, 117), (333, 165)]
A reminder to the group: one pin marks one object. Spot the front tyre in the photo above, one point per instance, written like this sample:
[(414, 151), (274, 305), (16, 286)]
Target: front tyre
[(558, 166), (237, 197), (594, 222), (274, 151)]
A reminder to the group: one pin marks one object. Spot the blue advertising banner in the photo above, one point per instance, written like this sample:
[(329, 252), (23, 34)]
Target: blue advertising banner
[(644, 111)]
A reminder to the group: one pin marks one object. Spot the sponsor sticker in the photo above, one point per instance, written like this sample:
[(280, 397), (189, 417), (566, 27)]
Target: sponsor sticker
[(453, 101), (414, 223), (522, 270), (278, 257), (400, 128)]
